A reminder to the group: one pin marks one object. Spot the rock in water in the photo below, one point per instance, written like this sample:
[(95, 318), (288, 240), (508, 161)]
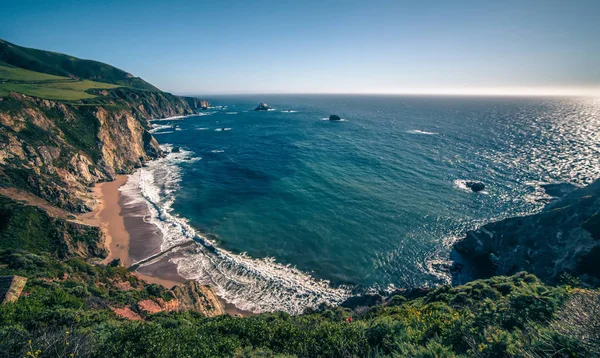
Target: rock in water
[(334, 117), (475, 185), (175, 150), (262, 107)]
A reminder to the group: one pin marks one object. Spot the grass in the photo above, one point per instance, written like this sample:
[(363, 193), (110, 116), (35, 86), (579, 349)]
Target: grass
[(37, 84), (20, 74)]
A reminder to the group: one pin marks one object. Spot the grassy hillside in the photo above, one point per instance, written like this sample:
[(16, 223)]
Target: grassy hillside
[(37, 84), (59, 64)]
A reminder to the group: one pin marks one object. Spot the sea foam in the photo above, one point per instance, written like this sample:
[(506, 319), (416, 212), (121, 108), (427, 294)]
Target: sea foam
[(257, 285)]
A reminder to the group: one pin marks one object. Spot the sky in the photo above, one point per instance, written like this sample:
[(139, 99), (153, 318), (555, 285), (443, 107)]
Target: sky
[(322, 46)]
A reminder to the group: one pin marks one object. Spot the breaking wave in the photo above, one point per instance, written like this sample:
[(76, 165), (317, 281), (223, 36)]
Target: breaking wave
[(257, 285), (417, 131)]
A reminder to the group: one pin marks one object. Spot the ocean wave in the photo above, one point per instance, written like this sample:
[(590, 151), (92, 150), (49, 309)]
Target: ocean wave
[(418, 131), (231, 112), (257, 285), (201, 129), (159, 127), (289, 111), (174, 118), (222, 129), (340, 120), (217, 151)]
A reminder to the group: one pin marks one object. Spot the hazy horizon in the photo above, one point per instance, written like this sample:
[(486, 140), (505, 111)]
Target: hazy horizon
[(328, 47)]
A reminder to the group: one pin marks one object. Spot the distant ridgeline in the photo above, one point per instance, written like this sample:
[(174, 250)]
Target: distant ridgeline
[(67, 123), (65, 66)]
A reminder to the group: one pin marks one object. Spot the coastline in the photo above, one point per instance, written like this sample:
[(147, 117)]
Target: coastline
[(130, 238)]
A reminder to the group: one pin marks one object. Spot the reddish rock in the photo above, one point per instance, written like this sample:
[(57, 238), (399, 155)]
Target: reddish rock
[(127, 313)]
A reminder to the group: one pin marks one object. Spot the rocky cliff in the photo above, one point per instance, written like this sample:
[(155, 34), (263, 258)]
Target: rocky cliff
[(562, 239), (57, 150)]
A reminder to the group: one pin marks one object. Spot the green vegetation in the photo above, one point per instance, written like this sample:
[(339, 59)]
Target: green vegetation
[(13, 79), (65, 311), (30, 228), (12, 73), (68, 66)]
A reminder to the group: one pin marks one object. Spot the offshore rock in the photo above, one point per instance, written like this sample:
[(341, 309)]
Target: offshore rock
[(262, 107), (475, 186), (334, 117)]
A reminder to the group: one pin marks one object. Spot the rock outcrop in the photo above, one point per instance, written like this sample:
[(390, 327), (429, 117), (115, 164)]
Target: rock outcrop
[(193, 296), (562, 239), (11, 288), (57, 150), (475, 186), (262, 107), (334, 117)]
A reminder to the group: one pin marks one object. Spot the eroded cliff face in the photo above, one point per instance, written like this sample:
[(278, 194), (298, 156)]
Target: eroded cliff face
[(562, 239), (193, 296), (57, 150)]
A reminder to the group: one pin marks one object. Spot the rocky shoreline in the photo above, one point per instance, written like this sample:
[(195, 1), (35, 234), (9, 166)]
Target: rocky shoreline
[(560, 241)]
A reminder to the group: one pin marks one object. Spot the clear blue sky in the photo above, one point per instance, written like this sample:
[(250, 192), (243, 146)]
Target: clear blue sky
[(205, 47)]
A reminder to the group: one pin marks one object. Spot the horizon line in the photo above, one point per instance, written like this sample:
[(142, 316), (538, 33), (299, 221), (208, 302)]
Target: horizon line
[(522, 92)]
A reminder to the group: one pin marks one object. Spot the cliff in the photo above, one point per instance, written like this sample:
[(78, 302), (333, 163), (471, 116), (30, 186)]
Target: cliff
[(564, 238), (57, 150)]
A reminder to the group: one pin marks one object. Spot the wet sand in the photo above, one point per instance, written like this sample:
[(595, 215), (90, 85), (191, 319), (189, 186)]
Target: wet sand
[(130, 238)]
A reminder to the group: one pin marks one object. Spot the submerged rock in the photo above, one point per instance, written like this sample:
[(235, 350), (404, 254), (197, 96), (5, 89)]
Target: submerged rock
[(175, 150), (475, 185), (262, 107), (334, 117)]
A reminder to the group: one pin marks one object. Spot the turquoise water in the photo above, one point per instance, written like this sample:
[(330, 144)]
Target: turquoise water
[(375, 200)]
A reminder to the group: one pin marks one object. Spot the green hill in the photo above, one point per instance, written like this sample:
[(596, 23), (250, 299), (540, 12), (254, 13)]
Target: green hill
[(37, 84), (59, 64)]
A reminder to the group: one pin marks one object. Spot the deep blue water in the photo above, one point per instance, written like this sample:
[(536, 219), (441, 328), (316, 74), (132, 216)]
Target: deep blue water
[(375, 200)]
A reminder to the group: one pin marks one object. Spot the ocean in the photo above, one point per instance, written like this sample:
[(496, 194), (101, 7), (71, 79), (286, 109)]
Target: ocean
[(290, 210)]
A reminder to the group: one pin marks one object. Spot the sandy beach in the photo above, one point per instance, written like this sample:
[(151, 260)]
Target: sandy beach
[(118, 222), (130, 238)]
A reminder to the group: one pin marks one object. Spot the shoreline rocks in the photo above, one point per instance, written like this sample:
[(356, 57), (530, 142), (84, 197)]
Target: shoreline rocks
[(561, 239)]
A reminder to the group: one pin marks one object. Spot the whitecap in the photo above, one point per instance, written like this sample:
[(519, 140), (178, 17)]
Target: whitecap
[(159, 127), (231, 112), (217, 151), (418, 131), (222, 129), (327, 119), (174, 118), (201, 129)]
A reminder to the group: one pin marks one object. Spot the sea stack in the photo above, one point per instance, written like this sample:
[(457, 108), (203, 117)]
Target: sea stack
[(262, 107), (475, 185), (334, 117)]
